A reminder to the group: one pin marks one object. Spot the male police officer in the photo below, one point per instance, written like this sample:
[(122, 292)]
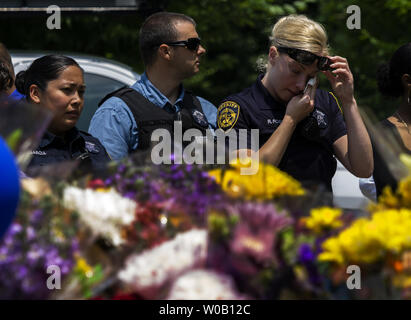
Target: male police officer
[(171, 51)]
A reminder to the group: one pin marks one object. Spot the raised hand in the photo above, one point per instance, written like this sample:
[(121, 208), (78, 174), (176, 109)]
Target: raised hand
[(341, 79), (300, 106)]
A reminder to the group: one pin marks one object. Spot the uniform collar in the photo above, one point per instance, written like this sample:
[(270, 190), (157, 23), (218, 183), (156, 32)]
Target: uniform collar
[(15, 95), (264, 99), (49, 138), (151, 93)]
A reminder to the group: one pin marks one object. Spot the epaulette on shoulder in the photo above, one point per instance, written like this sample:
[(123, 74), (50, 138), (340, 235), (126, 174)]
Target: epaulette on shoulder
[(85, 133), (336, 100)]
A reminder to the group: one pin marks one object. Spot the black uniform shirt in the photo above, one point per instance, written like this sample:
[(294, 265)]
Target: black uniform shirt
[(76, 145), (307, 158), (382, 174)]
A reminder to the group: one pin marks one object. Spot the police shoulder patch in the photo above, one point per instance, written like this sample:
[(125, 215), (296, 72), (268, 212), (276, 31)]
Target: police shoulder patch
[(91, 147), (322, 119), (227, 115)]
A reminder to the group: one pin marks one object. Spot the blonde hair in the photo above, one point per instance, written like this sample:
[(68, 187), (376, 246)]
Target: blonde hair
[(300, 32)]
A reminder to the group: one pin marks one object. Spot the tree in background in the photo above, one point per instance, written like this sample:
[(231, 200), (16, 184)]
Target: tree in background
[(235, 34)]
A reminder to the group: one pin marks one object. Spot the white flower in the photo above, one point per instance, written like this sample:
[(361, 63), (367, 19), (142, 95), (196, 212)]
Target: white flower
[(154, 267), (204, 285), (105, 213)]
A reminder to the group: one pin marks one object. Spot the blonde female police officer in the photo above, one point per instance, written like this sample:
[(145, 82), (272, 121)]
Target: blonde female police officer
[(300, 130)]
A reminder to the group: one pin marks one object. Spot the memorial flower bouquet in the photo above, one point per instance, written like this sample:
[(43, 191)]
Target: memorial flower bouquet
[(167, 200), (379, 244), (41, 237), (48, 252), (252, 232), (136, 211)]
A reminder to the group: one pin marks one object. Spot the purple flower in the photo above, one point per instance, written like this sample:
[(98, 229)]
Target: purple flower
[(307, 258), (15, 229), (305, 254), (108, 181), (262, 215), (31, 234), (121, 168), (258, 245), (3, 251), (34, 255), (36, 216), (130, 195), (21, 272)]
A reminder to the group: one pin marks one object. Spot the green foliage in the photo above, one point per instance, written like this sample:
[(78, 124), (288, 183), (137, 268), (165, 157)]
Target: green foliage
[(235, 34), (384, 27), (220, 226), (14, 138)]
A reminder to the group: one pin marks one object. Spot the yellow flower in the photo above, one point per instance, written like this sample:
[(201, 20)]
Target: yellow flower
[(108, 189), (402, 280), (394, 227), (267, 183), (355, 244), (83, 267), (388, 198), (323, 219), (404, 189), (361, 242), (406, 160), (332, 251), (369, 240)]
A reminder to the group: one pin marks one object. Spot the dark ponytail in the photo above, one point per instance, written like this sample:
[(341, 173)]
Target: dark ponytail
[(389, 74), (42, 71), (19, 81)]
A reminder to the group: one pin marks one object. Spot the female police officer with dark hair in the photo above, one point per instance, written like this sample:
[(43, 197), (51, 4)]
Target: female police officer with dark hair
[(300, 132), (56, 82), (394, 80)]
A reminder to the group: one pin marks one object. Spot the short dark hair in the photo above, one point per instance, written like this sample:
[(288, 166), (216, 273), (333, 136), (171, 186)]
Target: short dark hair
[(157, 29), (42, 71), (389, 74)]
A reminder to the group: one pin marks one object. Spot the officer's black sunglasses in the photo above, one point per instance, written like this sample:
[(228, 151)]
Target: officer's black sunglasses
[(191, 43), (307, 58)]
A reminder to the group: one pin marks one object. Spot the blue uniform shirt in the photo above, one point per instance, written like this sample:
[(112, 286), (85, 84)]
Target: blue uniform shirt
[(309, 160), (114, 124), (15, 95), (53, 149)]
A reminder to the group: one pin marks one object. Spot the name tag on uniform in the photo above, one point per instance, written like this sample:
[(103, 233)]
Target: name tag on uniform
[(273, 122), (199, 118), (39, 153)]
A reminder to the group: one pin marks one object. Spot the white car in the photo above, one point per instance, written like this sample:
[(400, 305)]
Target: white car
[(346, 190), (101, 76)]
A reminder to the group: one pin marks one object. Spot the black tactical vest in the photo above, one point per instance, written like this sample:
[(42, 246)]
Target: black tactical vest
[(150, 117)]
